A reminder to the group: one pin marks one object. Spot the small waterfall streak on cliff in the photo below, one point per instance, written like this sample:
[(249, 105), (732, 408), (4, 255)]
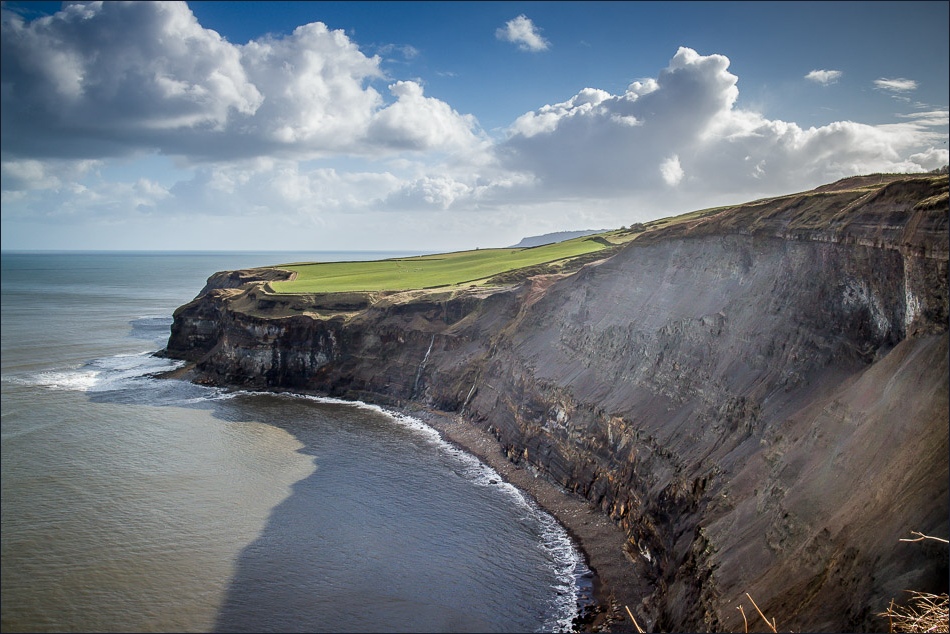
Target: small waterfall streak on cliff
[(468, 398), (415, 385)]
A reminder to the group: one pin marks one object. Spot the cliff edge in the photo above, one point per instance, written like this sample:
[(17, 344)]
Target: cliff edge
[(757, 394)]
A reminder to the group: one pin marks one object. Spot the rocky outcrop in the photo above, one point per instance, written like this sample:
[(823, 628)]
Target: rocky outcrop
[(758, 395), (238, 279)]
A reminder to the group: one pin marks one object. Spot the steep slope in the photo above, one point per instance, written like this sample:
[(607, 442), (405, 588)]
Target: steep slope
[(757, 395)]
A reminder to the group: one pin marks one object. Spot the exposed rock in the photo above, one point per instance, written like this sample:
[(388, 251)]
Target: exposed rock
[(758, 396), (238, 279)]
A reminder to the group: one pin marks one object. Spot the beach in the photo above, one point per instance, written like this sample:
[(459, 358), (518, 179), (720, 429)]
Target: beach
[(615, 587)]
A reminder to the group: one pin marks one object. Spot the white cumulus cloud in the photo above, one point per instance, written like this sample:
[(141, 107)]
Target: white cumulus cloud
[(523, 32), (418, 122), (898, 84), (824, 77), (120, 78), (671, 170), (931, 159), (96, 78), (687, 123)]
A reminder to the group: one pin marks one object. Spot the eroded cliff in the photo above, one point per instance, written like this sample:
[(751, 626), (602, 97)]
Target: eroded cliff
[(758, 395)]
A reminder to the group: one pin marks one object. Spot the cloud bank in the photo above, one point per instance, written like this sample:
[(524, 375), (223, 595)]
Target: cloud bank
[(307, 130)]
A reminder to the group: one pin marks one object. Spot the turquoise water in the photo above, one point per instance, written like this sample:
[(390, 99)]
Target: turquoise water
[(137, 504)]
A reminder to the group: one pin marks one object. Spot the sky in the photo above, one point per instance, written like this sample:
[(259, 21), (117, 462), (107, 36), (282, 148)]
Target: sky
[(443, 126)]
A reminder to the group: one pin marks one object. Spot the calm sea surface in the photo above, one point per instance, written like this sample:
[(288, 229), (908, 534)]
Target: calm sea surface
[(136, 504)]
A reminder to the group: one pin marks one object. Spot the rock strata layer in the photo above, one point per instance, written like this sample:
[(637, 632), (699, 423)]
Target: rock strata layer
[(758, 396)]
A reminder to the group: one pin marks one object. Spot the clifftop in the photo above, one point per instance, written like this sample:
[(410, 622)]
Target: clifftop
[(892, 211)]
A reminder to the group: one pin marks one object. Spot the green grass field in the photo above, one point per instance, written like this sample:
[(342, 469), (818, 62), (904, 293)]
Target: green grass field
[(428, 271)]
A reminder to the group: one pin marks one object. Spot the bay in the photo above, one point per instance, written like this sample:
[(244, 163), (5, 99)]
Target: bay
[(131, 503)]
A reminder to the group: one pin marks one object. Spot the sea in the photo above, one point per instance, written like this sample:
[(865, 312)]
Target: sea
[(132, 503)]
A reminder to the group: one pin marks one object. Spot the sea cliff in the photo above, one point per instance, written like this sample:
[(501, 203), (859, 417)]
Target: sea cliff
[(757, 395)]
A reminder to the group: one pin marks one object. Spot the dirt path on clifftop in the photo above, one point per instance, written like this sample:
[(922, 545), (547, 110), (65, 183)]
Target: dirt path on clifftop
[(615, 584)]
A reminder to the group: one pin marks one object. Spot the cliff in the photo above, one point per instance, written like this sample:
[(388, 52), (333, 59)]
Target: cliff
[(757, 394), (558, 236)]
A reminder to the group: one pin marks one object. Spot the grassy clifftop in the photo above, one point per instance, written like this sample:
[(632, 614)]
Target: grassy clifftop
[(861, 208), (435, 271)]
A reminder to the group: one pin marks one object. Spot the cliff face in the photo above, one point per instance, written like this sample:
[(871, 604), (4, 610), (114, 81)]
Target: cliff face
[(758, 396)]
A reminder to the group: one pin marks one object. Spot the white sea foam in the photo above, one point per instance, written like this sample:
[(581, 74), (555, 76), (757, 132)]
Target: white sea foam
[(77, 379), (100, 375), (554, 539), (153, 321)]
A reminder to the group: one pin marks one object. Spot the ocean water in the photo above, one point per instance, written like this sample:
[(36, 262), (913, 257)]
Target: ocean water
[(131, 503)]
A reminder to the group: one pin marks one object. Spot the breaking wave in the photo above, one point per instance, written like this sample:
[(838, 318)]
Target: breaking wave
[(101, 375)]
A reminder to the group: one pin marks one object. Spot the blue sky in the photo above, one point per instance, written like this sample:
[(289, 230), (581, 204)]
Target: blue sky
[(444, 125)]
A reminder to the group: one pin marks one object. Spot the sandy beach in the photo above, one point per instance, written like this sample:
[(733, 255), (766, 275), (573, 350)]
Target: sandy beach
[(598, 537)]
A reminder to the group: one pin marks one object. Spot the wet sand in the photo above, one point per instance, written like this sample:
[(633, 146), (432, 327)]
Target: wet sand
[(598, 537)]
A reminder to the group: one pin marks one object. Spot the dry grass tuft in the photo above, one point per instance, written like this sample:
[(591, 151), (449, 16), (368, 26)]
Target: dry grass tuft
[(924, 613)]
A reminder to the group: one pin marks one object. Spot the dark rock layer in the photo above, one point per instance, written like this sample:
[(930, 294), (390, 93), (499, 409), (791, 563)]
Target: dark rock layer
[(759, 397)]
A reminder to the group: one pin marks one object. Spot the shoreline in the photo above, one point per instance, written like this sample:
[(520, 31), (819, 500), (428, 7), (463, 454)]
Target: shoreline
[(614, 586), (599, 540)]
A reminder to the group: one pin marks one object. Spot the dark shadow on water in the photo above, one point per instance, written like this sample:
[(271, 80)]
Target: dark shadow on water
[(378, 538), (346, 551)]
